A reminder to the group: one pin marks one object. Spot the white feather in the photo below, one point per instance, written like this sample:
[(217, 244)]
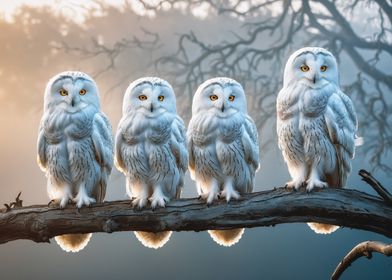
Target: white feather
[(223, 146), (316, 122), (75, 146), (151, 148)]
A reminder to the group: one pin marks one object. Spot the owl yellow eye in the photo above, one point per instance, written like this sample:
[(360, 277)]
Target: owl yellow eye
[(214, 97), (82, 92), (63, 92), (304, 68), (142, 97), (231, 98), (161, 97), (323, 68)]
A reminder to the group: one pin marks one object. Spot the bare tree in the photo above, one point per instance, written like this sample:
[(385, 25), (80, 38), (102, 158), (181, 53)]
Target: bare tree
[(270, 31)]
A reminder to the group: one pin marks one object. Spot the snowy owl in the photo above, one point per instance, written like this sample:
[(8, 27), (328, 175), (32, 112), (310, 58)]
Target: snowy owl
[(150, 148), (223, 146), (75, 146), (316, 124)]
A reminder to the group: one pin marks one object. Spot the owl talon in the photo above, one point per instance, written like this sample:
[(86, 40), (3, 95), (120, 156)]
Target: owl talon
[(51, 202), (209, 197), (139, 203), (312, 183), (64, 202), (295, 185), (158, 201), (230, 194), (82, 199)]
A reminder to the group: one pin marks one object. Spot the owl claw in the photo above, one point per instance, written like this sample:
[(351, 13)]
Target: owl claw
[(64, 202), (83, 200), (209, 197), (229, 194), (312, 183), (53, 201), (139, 203), (158, 201), (295, 185)]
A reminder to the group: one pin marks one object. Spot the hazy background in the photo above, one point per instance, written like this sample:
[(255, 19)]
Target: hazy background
[(120, 42)]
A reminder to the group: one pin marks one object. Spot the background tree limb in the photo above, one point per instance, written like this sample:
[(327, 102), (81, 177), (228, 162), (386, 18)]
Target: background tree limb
[(363, 249), (347, 208)]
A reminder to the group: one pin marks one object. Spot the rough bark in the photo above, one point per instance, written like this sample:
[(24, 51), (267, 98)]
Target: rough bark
[(347, 208)]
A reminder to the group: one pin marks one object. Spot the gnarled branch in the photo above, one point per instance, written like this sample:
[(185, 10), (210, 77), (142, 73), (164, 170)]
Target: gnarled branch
[(362, 249), (348, 208)]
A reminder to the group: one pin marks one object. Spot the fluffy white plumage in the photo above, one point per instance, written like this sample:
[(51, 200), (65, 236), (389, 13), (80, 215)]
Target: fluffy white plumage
[(316, 122), (222, 143), (75, 146), (150, 145)]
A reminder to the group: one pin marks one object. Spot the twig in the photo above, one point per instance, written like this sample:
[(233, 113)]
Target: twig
[(18, 203), (363, 249), (376, 185)]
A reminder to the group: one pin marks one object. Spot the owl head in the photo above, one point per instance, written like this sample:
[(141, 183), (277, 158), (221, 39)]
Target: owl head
[(150, 96), (221, 96), (72, 91), (313, 67)]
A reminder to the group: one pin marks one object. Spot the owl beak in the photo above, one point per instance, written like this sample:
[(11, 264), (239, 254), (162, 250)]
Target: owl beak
[(223, 107), (72, 102), (314, 79), (152, 108)]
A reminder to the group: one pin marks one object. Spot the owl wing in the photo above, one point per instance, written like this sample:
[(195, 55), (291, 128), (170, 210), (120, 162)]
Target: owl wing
[(179, 149), (341, 121), (103, 149), (41, 144), (250, 143), (119, 141), (178, 143), (191, 159)]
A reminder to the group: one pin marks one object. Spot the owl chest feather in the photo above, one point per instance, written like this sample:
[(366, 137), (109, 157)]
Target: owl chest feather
[(139, 129), (303, 135), (218, 149), (148, 148), (70, 151)]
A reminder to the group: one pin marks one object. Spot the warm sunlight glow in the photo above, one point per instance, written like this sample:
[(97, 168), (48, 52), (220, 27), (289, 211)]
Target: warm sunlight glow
[(72, 9), (78, 10)]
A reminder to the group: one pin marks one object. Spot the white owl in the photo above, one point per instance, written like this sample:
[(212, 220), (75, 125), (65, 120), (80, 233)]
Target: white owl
[(223, 146), (150, 148), (75, 146), (316, 123)]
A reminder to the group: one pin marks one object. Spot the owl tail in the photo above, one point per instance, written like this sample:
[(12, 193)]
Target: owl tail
[(154, 240), (73, 242), (227, 237), (322, 228)]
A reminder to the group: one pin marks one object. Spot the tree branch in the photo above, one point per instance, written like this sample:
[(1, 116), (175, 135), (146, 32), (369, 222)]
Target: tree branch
[(348, 208), (376, 185), (363, 249)]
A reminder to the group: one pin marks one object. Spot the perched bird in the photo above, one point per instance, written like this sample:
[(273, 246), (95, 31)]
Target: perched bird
[(75, 146), (150, 148), (316, 124), (223, 146)]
